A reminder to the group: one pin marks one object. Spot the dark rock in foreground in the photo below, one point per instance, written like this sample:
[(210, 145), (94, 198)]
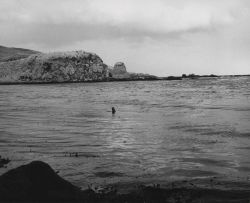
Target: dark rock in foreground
[(37, 182)]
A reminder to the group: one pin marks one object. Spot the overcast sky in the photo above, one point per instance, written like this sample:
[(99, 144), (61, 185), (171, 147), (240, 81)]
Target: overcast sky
[(161, 37)]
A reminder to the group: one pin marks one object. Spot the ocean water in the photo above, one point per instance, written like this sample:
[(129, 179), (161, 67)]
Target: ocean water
[(162, 130)]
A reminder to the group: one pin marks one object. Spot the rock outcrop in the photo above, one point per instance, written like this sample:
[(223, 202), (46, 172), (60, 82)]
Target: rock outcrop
[(75, 66), (119, 68), (119, 73), (36, 181)]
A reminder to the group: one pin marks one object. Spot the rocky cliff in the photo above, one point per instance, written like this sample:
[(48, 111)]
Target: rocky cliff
[(75, 66)]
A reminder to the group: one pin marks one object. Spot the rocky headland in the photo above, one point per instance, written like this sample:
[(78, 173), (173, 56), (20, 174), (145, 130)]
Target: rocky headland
[(24, 66), (59, 67)]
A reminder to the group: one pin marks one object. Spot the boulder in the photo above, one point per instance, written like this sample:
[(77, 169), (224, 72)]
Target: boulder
[(36, 181)]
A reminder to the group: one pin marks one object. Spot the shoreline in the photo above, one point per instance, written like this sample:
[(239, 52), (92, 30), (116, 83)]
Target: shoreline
[(170, 78), (37, 181), (69, 82)]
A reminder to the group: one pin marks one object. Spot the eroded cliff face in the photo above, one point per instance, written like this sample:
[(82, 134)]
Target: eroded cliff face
[(76, 66)]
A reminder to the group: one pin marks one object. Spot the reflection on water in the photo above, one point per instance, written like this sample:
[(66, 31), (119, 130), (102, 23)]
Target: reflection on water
[(161, 130)]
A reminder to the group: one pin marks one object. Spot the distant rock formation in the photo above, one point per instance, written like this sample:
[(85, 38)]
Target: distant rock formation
[(18, 65), (119, 68), (75, 66), (119, 72), (194, 76)]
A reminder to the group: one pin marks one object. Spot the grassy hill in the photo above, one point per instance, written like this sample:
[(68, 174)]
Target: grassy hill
[(11, 54)]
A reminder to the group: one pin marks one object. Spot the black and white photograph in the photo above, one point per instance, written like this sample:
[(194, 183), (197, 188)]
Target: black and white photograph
[(125, 101)]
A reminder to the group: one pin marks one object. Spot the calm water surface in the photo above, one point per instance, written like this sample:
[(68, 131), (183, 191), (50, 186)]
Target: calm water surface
[(162, 130)]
